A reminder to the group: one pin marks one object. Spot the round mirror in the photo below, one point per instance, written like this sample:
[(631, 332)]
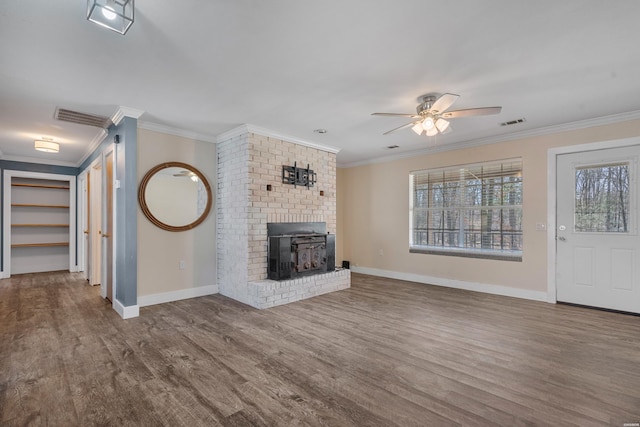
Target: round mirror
[(175, 196)]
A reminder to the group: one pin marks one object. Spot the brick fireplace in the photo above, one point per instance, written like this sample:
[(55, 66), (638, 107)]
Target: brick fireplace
[(250, 195)]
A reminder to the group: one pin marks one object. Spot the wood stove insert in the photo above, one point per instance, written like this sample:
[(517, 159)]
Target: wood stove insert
[(299, 249)]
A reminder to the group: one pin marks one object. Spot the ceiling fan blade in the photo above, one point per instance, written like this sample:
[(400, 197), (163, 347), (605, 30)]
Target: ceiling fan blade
[(444, 102), (401, 127), (485, 111), (414, 116)]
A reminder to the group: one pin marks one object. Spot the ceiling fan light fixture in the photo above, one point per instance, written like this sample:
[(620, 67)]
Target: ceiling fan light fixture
[(432, 112), (428, 123), (417, 128), (442, 125), (116, 15), (46, 146)]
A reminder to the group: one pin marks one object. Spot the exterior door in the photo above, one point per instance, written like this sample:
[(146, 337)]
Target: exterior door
[(597, 242)]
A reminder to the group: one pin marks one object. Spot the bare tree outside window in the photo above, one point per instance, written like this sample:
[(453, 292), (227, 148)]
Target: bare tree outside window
[(602, 199), (468, 207)]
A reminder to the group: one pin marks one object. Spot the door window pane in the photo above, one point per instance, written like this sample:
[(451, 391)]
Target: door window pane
[(602, 199)]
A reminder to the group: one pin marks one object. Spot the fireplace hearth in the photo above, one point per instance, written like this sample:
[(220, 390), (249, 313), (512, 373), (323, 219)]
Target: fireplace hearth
[(299, 249)]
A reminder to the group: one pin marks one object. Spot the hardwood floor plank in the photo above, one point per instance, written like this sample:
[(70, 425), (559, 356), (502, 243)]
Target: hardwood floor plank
[(382, 353)]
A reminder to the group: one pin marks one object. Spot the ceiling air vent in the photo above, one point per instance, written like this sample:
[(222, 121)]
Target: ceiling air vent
[(82, 118), (513, 122), (391, 147)]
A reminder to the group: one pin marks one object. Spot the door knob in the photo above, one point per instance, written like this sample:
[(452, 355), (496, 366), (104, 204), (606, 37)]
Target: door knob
[(86, 231), (106, 235), (562, 239)]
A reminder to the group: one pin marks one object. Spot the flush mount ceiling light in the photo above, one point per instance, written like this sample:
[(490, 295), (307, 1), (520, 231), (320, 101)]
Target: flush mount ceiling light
[(116, 15), (431, 114), (46, 146)]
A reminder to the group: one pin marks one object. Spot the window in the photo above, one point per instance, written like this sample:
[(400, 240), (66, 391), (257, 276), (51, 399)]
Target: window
[(602, 199), (469, 210)]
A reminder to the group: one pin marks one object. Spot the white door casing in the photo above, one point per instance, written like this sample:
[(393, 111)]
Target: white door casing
[(8, 175), (107, 223), (597, 248)]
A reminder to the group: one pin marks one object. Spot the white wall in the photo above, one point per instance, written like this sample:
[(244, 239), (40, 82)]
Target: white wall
[(160, 251)]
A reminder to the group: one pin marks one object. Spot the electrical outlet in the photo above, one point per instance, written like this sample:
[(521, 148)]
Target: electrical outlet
[(541, 226), (380, 252), (181, 265)]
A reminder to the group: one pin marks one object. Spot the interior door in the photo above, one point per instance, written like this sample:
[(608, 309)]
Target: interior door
[(86, 230), (597, 244), (95, 231), (83, 235), (107, 231)]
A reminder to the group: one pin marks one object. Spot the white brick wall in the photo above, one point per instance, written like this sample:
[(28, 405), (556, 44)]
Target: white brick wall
[(246, 165), (232, 205)]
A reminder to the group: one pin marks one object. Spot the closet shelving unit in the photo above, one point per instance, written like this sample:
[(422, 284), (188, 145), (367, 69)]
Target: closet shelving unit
[(41, 222)]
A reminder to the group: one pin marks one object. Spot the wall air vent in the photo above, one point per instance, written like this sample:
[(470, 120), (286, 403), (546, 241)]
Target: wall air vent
[(82, 118), (391, 147), (513, 122)]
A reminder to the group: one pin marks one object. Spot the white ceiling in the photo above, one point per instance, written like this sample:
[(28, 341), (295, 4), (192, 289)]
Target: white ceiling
[(204, 67)]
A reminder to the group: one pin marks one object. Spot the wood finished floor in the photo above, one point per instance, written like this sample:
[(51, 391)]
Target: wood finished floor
[(382, 353)]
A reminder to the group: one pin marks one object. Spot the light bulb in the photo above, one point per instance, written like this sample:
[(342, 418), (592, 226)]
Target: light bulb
[(417, 128), (109, 13), (427, 123)]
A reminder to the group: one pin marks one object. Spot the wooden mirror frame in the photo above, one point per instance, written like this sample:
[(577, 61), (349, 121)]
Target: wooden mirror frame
[(145, 208)]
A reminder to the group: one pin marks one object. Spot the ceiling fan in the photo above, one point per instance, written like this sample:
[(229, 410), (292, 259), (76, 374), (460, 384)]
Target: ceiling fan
[(431, 114), (187, 174)]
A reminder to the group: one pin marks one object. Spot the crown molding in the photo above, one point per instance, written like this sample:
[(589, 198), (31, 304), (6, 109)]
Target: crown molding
[(176, 131), (513, 136), (123, 112), (247, 128), (116, 118), (93, 145), (26, 159)]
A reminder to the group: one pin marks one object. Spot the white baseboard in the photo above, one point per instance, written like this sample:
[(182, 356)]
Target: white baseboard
[(200, 291), (3, 275), (457, 284), (127, 312)]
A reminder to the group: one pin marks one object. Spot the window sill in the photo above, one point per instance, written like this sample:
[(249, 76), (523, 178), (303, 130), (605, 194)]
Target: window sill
[(495, 255)]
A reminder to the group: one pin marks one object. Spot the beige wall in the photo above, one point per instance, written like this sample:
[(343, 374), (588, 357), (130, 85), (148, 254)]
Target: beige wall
[(339, 217), (160, 251), (373, 211)]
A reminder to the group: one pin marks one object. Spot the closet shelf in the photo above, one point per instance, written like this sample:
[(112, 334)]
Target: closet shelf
[(34, 245), (39, 225), (57, 187), (31, 205)]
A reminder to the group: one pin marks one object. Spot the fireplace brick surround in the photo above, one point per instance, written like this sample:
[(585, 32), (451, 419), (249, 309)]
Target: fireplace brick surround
[(247, 163)]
